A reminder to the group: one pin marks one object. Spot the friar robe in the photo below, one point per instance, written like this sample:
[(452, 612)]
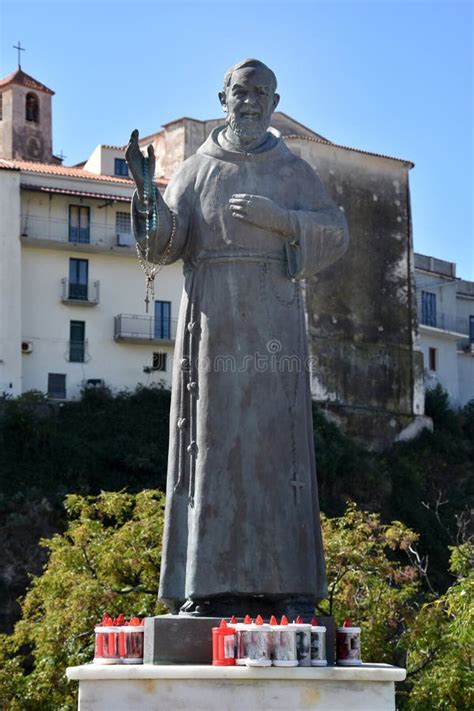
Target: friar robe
[(242, 513)]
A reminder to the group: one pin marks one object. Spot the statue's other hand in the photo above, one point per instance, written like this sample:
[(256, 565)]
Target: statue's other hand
[(135, 159), (259, 211)]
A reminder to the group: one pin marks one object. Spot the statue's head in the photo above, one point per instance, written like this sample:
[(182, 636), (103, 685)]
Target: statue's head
[(249, 98)]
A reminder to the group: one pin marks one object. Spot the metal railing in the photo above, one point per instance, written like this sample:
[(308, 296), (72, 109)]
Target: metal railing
[(55, 229), (77, 352), (444, 321), (76, 293), (143, 328)]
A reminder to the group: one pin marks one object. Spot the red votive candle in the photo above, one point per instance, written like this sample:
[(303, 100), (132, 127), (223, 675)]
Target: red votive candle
[(223, 645)]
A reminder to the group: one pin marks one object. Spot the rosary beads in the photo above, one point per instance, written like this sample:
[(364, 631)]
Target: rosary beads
[(153, 267)]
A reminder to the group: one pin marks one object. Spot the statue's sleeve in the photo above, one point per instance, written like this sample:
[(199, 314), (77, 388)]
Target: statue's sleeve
[(168, 241), (319, 235)]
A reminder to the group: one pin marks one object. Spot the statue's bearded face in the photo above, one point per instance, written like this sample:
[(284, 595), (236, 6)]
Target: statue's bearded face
[(250, 100)]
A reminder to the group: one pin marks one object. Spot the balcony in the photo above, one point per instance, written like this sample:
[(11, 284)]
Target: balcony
[(58, 234), (78, 352), (144, 329), (444, 322), (75, 294)]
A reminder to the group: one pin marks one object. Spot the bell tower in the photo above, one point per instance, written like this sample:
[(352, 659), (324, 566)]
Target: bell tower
[(25, 119)]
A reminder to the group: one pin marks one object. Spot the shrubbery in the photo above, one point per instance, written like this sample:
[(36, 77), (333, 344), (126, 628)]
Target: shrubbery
[(399, 557), (102, 441), (109, 557)]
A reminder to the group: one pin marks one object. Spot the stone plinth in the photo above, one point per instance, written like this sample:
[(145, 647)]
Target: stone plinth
[(207, 688), (182, 639)]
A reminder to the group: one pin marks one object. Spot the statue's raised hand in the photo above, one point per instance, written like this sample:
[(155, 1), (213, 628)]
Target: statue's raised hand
[(259, 211), (135, 160)]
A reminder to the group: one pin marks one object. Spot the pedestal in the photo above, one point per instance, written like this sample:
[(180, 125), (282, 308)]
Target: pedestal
[(182, 639), (206, 688)]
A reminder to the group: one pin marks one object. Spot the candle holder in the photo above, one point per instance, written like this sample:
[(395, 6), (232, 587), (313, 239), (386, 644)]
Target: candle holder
[(132, 644), (318, 644), (348, 646), (260, 645), (106, 645), (223, 645)]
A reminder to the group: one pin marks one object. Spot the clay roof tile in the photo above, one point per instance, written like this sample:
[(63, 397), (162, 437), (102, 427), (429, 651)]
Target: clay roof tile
[(51, 169), (23, 79)]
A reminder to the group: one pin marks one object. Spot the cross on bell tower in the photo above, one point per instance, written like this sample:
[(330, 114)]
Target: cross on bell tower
[(20, 49)]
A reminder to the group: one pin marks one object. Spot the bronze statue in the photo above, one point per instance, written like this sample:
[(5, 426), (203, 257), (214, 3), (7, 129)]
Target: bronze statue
[(250, 220)]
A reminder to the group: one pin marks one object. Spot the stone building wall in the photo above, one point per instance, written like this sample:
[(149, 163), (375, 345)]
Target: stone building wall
[(22, 139), (362, 310)]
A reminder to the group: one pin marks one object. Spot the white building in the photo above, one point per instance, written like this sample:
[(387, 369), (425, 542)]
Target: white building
[(71, 290), (446, 321)]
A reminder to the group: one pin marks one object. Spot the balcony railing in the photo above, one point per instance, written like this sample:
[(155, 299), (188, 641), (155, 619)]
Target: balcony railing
[(443, 321), (137, 329), (77, 352), (77, 294), (56, 230)]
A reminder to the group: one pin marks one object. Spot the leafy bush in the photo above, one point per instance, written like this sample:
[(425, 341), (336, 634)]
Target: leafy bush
[(108, 559), (347, 471), (441, 643), (371, 579), (107, 442), (102, 441), (437, 407)]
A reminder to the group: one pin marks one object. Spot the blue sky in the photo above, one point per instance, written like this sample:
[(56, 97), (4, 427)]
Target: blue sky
[(389, 76)]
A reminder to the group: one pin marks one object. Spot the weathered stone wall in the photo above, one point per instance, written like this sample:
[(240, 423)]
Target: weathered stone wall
[(169, 145), (362, 311), (6, 125), (27, 140)]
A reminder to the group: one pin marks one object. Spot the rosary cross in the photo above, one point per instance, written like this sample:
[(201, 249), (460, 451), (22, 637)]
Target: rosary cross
[(298, 485)]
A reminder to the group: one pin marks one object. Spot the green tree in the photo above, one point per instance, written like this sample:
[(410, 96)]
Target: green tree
[(372, 579), (102, 441), (108, 559), (441, 643)]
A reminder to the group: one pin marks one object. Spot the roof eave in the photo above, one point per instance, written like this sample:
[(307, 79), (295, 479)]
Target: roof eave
[(405, 161)]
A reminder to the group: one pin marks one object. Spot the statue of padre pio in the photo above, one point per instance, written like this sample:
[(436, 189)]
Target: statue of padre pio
[(250, 220)]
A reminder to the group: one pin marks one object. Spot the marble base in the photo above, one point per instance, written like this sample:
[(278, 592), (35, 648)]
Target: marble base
[(369, 687)]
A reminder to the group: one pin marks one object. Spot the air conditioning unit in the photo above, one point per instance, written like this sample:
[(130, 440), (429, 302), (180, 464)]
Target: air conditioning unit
[(27, 346), (95, 383), (125, 239)]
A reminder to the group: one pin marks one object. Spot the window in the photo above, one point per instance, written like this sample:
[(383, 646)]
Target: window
[(79, 220), (471, 329), (78, 279), (57, 386), (159, 361), (32, 108), (432, 358), (122, 222), (162, 319), (121, 167), (428, 308), (123, 228), (77, 342)]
